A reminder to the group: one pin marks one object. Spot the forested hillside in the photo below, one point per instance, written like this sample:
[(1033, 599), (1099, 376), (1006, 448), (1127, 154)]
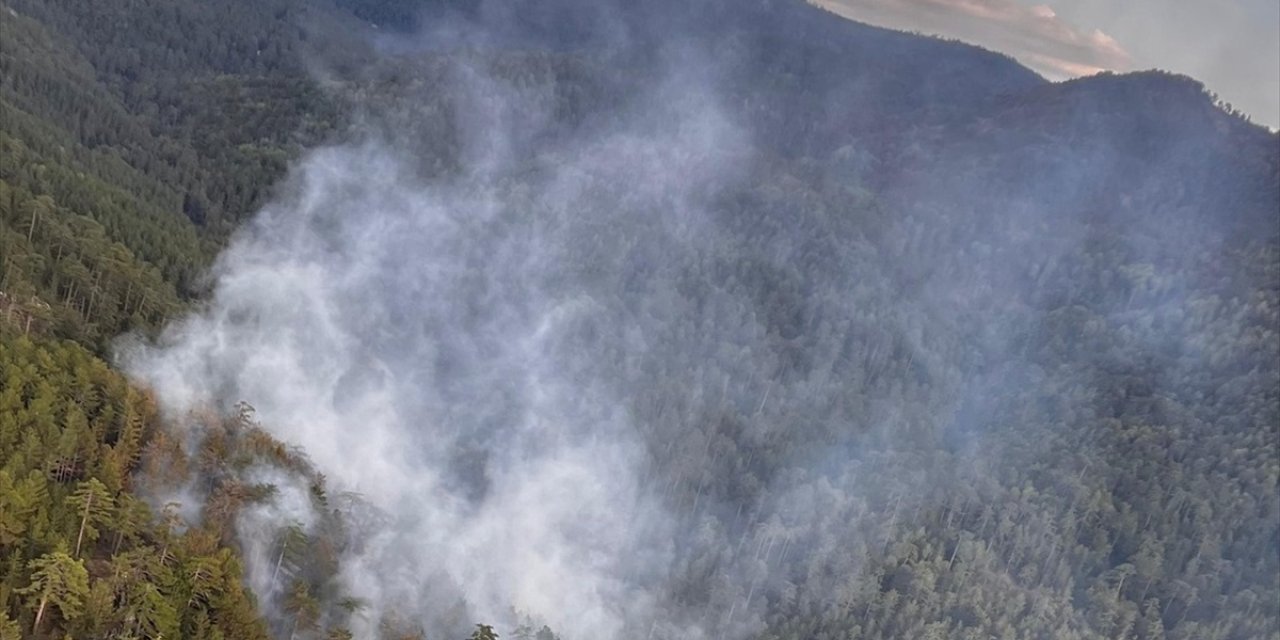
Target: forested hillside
[(112, 202), (630, 320)]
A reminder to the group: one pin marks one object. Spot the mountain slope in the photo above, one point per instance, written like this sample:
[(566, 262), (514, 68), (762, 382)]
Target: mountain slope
[(732, 319)]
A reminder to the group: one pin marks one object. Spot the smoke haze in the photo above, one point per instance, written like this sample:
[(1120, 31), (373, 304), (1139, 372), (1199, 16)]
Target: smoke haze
[(530, 340), (440, 347)]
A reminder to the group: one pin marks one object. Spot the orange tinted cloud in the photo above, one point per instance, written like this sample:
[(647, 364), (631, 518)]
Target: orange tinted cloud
[(1035, 35)]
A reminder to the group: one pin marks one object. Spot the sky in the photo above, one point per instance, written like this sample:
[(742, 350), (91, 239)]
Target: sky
[(1233, 46)]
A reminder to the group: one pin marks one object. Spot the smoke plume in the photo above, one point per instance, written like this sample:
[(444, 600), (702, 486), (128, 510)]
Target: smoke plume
[(445, 348), (579, 340)]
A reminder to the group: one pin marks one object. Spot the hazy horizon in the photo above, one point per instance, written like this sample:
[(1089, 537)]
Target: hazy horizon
[(1233, 47)]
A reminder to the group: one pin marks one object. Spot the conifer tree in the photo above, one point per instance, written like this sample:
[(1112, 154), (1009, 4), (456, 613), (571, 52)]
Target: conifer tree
[(57, 579), (96, 507)]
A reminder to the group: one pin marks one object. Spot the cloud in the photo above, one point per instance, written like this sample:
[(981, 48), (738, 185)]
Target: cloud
[(1233, 47), (1034, 35)]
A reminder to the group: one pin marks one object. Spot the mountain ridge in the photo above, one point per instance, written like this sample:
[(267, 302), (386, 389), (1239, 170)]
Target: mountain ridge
[(881, 336)]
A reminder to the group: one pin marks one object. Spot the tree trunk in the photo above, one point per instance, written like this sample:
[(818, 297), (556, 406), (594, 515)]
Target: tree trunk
[(40, 614), (83, 522), (278, 563)]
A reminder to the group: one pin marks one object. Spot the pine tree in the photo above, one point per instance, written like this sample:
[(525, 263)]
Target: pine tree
[(57, 579), (483, 632), (151, 613), (96, 507), (9, 628)]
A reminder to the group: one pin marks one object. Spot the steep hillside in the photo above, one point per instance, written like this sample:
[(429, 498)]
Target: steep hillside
[(622, 320), (111, 205)]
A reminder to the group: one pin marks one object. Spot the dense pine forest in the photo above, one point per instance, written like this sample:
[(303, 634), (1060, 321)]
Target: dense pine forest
[(563, 320)]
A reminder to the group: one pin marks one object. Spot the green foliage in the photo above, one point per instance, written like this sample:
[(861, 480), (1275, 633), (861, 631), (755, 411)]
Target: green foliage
[(202, 117), (56, 579), (111, 202), (527, 632), (94, 503), (72, 432), (302, 593), (8, 628), (135, 136), (61, 275), (483, 632)]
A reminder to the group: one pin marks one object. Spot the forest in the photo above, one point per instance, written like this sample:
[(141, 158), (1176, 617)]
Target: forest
[(561, 320)]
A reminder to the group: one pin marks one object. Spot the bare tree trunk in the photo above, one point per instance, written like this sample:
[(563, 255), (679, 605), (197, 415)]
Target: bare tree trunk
[(279, 561), (83, 522), (40, 614)]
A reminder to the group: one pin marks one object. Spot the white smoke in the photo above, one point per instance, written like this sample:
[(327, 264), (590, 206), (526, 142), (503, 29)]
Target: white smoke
[(431, 346)]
